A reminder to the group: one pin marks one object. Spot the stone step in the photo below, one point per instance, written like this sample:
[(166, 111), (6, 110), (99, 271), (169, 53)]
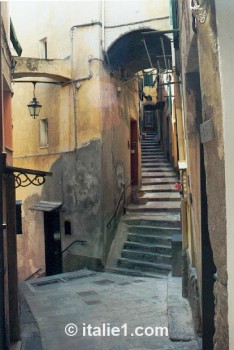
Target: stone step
[(156, 165), (147, 247), (146, 174), (154, 149), (162, 196), (158, 180), (151, 150), (149, 238), (155, 161), (154, 230), (146, 256), (144, 266), (151, 146), (156, 220), (151, 140), (153, 158), (159, 188), (152, 143), (154, 206), (157, 169), (135, 272), (146, 155)]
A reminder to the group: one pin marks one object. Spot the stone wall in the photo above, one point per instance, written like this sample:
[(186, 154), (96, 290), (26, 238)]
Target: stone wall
[(214, 164), (205, 61), (190, 290)]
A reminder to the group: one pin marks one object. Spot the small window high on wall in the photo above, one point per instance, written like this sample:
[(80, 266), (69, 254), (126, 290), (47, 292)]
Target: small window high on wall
[(43, 132)]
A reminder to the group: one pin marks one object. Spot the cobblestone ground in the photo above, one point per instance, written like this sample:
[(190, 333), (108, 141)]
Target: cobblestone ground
[(93, 299)]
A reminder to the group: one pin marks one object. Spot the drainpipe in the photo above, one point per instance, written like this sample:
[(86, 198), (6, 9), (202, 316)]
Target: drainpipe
[(75, 82), (2, 165), (103, 26)]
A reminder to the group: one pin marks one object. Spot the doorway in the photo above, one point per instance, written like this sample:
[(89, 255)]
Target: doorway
[(134, 153), (149, 121), (53, 251), (208, 266)]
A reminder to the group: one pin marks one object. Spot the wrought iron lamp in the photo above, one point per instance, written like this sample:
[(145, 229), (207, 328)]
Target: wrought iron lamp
[(34, 106)]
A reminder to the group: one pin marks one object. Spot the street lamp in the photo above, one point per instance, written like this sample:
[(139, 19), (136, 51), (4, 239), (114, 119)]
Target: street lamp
[(34, 106)]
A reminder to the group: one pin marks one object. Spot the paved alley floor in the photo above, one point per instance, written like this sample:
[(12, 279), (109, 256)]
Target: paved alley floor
[(137, 311)]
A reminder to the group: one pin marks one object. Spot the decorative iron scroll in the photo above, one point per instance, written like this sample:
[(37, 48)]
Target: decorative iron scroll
[(24, 180), (26, 177), (199, 11)]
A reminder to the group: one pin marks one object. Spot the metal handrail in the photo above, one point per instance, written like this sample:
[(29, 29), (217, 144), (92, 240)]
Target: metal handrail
[(34, 273), (76, 241), (108, 225)]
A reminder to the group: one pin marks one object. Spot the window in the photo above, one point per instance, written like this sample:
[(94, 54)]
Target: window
[(43, 48), (43, 133), (67, 227), (148, 80), (18, 218)]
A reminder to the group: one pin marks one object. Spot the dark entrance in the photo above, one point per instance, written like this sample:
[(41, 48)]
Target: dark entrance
[(53, 252), (134, 153), (208, 268), (149, 121)]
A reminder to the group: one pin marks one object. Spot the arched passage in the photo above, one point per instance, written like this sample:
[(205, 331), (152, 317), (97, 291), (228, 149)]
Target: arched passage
[(129, 52)]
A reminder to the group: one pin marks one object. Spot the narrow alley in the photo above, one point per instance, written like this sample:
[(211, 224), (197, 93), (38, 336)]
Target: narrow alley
[(116, 175)]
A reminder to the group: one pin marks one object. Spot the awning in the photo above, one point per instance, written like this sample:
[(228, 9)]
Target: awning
[(46, 206)]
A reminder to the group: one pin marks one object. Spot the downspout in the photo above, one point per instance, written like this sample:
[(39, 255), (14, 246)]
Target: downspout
[(75, 82), (74, 94), (103, 26), (2, 165)]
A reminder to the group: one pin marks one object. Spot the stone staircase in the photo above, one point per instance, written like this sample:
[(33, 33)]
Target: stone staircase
[(154, 219)]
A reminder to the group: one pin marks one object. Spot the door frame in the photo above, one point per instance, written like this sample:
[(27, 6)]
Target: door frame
[(53, 248)]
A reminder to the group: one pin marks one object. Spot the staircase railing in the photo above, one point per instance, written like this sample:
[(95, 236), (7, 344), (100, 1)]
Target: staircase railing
[(78, 241), (33, 274), (122, 196)]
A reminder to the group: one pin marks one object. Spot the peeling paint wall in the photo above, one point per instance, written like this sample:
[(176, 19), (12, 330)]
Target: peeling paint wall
[(147, 14), (205, 61), (214, 165), (225, 304), (88, 148), (192, 111)]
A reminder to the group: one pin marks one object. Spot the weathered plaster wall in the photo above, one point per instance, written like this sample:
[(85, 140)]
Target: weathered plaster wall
[(225, 27), (30, 244), (214, 165), (192, 110), (137, 13), (118, 109), (77, 183), (87, 115), (208, 60), (53, 22)]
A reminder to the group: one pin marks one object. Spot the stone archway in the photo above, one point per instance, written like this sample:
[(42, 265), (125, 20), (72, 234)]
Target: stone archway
[(129, 52)]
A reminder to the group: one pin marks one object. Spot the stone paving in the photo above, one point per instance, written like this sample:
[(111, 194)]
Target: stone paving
[(107, 300)]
